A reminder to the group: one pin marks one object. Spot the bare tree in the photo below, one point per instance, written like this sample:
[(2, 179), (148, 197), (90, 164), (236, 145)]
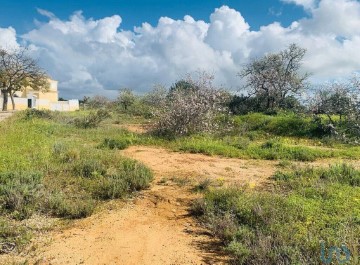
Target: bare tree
[(275, 76), (18, 71)]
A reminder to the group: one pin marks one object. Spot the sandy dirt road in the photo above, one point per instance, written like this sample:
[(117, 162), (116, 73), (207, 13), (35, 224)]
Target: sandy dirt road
[(156, 227)]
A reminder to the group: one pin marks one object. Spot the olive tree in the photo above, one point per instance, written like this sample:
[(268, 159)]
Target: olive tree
[(275, 76), (18, 71), (126, 98)]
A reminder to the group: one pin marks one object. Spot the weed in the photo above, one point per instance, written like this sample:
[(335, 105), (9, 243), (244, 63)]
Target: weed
[(180, 181), (20, 193), (119, 144), (203, 185)]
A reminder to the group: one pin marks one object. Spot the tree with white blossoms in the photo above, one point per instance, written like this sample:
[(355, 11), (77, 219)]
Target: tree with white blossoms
[(339, 99), (189, 111)]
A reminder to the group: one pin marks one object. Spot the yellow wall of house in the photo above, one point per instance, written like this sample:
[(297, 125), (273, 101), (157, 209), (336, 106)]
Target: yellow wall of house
[(42, 100), (51, 95), (18, 106)]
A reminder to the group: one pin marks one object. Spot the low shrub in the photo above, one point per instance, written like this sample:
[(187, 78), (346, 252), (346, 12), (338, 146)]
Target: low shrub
[(109, 187), (89, 168), (286, 224), (64, 154), (203, 185), (61, 205), (35, 113), (92, 120), (129, 176), (13, 237), (20, 193), (136, 174), (119, 144)]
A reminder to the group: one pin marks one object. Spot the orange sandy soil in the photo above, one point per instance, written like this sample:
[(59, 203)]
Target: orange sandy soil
[(155, 227)]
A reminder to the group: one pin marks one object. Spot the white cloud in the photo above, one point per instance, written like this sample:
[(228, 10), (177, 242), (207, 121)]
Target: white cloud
[(92, 56), (8, 38), (45, 13), (307, 4)]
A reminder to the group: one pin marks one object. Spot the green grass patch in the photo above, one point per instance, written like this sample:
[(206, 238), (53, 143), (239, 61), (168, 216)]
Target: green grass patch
[(306, 208), (49, 166), (273, 149)]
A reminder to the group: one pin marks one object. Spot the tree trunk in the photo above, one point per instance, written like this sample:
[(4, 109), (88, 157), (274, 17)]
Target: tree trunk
[(268, 103), (12, 101), (5, 99)]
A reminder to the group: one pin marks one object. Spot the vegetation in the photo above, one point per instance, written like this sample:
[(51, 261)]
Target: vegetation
[(92, 120), (65, 164), (126, 98), (275, 76), (340, 104), (190, 107), (17, 71), (286, 223), (50, 166), (301, 210)]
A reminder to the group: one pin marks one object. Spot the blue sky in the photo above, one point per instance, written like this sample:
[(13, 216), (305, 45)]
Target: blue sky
[(137, 44), (20, 14)]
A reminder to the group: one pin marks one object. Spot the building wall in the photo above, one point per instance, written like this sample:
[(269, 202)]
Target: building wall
[(52, 94), (70, 105), (42, 100)]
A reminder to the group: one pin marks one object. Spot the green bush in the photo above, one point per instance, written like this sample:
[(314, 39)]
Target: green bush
[(20, 193), (252, 122), (92, 120), (109, 187), (282, 124), (88, 168), (35, 113), (338, 173), (290, 125), (64, 154), (119, 144), (129, 176), (287, 224), (72, 208)]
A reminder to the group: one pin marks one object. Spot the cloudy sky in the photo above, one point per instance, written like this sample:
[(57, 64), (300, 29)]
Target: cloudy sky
[(96, 47)]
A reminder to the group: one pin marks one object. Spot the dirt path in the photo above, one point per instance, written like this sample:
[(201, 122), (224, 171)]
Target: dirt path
[(156, 227), (4, 115)]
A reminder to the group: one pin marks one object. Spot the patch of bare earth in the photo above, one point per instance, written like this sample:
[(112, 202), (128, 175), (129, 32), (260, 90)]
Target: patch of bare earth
[(5, 115), (155, 227)]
